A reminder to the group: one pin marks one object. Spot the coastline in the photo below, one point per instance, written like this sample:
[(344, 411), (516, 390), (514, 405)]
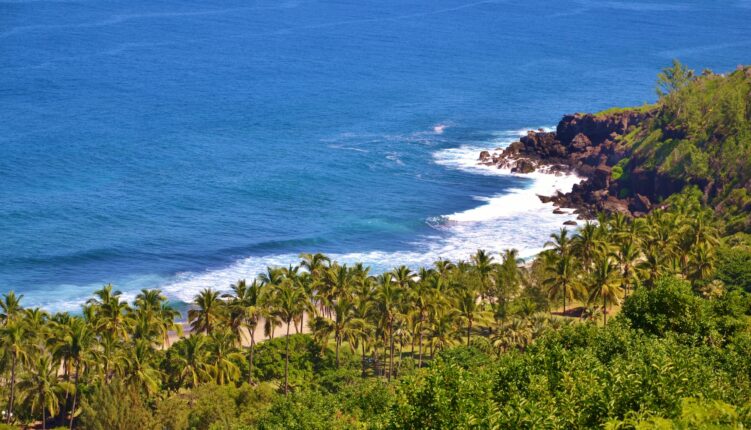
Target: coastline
[(514, 217), (590, 146)]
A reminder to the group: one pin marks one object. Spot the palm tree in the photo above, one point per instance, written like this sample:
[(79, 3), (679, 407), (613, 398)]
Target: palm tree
[(224, 357), (246, 303), (652, 266), (77, 342), (603, 284), (587, 244), (387, 299), (443, 268), (104, 295), (167, 321), (111, 355), (139, 371), (363, 310), (626, 256), (149, 300), (111, 317), (701, 263), (561, 277), (10, 307), (346, 325), (469, 309), (484, 266), (236, 310), (420, 298), (443, 325), (14, 340), (314, 263), (513, 334), (208, 311), (191, 357), (35, 321), (561, 243), (41, 388), (288, 304)]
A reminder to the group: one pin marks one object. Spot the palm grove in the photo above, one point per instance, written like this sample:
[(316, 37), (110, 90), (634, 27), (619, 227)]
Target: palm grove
[(623, 323)]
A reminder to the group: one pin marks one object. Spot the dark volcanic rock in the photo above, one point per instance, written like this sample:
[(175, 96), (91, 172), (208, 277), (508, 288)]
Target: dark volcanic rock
[(570, 223), (580, 142), (597, 127), (613, 204), (588, 144), (524, 166), (601, 177)]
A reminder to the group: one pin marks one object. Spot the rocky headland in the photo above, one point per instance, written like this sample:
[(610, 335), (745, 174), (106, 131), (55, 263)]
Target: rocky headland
[(591, 146)]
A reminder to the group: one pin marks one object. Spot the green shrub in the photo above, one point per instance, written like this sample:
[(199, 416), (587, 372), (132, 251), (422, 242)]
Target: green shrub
[(616, 172), (734, 267), (115, 406), (671, 306)]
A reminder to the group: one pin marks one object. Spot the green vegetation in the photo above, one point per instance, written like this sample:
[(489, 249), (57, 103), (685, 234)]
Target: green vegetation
[(699, 135), (488, 343), (623, 324), (610, 111)]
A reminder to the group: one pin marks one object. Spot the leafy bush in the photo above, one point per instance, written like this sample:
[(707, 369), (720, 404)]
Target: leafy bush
[(671, 306), (734, 267), (616, 172), (115, 406)]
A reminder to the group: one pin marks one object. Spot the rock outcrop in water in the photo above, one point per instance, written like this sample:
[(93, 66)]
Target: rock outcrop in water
[(587, 144)]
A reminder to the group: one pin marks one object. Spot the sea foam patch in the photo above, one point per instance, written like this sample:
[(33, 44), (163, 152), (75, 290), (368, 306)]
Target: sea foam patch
[(514, 219)]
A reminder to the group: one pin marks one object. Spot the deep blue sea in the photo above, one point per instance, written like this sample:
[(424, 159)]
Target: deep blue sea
[(185, 144)]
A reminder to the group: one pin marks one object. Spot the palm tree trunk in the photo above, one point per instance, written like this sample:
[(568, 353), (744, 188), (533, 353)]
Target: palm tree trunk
[(44, 414), (385, 370), (469, 330), (363, 358), (604, 309), (12, 388), (338, 342), (286, 362), (419, 347), (250, 362), (75, 394), (391, 349), (564, 299), (66, 376)]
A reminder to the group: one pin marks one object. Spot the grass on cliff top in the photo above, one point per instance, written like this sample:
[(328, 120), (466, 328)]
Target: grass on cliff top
[(613, 110)]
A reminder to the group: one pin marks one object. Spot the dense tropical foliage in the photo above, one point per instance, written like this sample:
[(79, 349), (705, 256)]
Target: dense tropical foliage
[(492, 342), (699, 134)]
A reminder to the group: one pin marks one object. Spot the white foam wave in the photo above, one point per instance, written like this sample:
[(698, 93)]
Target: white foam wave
[(513, 219)]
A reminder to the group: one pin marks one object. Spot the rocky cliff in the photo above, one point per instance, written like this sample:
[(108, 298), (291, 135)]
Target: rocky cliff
[(591, 146), (697, 135)]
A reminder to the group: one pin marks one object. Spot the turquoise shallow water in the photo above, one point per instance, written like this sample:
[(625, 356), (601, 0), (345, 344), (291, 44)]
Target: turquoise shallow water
[(185, 144)]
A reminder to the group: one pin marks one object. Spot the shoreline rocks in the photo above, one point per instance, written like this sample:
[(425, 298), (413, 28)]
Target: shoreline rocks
[(590, 146)]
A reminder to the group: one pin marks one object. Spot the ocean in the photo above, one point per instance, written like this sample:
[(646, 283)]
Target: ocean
[(184, 144)]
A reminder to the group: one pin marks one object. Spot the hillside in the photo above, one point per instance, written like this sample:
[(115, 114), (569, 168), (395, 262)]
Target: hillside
[(697, 134)]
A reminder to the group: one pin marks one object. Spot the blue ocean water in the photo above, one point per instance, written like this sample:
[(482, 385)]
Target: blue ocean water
[(185, 144)]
